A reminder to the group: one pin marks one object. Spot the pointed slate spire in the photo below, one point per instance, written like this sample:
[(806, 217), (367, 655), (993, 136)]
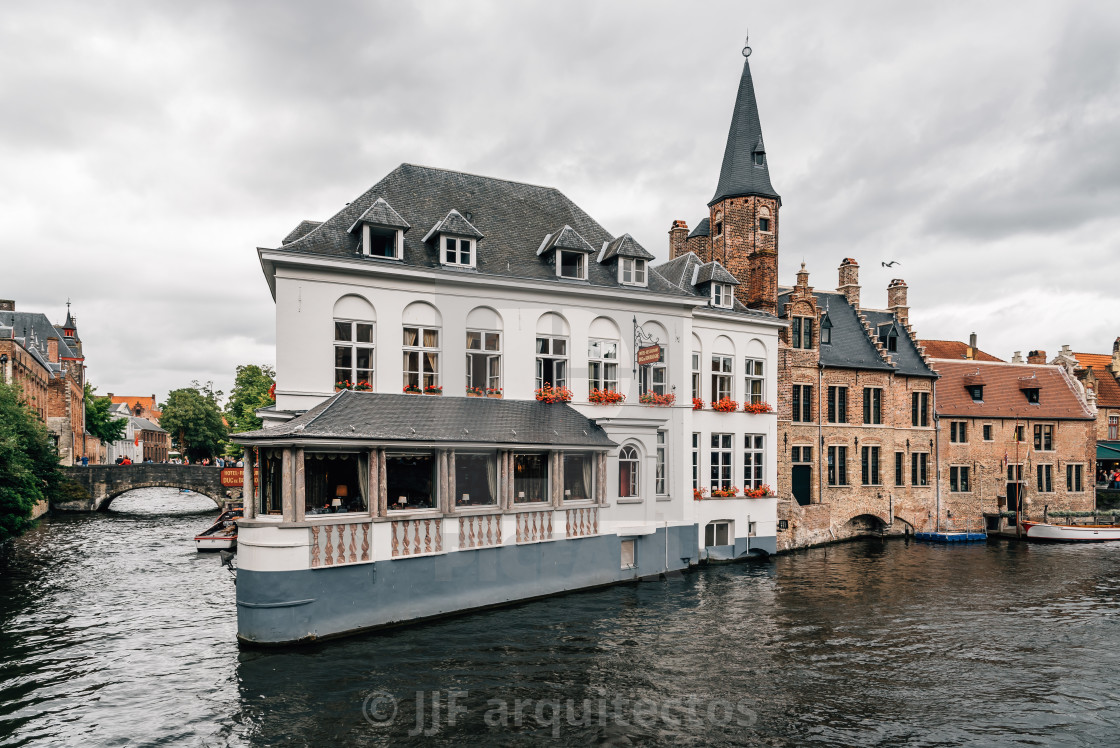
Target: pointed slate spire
[(740, 174)]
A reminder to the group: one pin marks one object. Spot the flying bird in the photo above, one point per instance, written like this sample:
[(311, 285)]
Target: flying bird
[(890, 264)]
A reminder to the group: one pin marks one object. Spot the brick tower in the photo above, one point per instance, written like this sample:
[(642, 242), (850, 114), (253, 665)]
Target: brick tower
[(744, 212)]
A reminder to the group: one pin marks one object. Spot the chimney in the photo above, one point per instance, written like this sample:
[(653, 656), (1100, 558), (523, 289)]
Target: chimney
[(1036, 357), (897, 302), (7, 305), (1114, 367), (971, 355), (678, 238), (1017, 358), (803, 277), (52, 349), (849, 281)]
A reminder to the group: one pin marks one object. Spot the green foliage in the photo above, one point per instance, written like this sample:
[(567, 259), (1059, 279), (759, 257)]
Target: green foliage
[(193, 418), (250, 392), (105, 427), (28, 463)]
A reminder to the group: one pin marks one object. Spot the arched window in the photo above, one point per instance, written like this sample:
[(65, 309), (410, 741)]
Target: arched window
[(627, 472)]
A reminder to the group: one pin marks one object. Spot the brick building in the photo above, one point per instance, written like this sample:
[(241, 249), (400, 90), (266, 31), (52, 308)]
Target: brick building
[(1099, 374), (140, 406), (1012, 436)]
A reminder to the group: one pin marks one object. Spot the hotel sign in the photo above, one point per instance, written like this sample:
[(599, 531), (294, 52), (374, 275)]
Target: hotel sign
[(651, 354), (235, 477)]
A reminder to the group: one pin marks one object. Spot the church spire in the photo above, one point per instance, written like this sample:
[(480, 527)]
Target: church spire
[(745, 169)]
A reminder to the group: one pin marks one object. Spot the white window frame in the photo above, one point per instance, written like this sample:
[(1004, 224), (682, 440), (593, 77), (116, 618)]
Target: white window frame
[(420, 350), (353, 345), (630, 455), (722, 296), (695, 460), (717, 530), (661, 471), (697, 375), (653, 378), (633, 271), (721, 473), (471, 244), (562, 359), (602, 364), (754, 460), (581, 256), (722, 375), (492, 381), (367, 242), (754, 378)]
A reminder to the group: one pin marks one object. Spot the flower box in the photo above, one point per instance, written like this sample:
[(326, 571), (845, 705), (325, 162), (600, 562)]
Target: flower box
[(362, 386), (725, 493), (494, 392), (605, 397), (697, 404), (550, 394), (432, 389), (725, 405), (659, 401), (762, 492), (758, 408), (412, 390), (699, 494), (474, 392)]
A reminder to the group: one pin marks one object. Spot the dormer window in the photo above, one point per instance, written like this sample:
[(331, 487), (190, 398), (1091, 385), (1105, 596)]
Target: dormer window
[(976, 392), (1032, 395), (888, 336), (721, 295), (826, 330), (571, 264), (632, 271), (382, 242), (457, 251), (759, 158)]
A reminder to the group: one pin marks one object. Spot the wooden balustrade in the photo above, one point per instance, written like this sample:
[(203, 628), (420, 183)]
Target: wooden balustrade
[(340, 545)]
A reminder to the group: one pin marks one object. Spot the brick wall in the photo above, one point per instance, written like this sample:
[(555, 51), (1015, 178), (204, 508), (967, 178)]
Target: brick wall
[(749, 253)]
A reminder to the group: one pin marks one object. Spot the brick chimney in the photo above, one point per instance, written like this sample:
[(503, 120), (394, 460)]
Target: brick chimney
[(803, 277), (7, 305), (849, 281), (897, 302), (1036, 357), (678, 238), (52, 349), (972, 350)]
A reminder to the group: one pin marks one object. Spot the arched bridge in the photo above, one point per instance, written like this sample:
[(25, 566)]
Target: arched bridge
[(106, 482)]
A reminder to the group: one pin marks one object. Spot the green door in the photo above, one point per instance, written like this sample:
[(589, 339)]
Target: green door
[(802, 482)]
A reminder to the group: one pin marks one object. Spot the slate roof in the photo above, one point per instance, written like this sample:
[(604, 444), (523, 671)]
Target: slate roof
[(143, 424), (907, 359), (713, 272), (431, 419), (739, 175), (680, 272), (1108, 389), (624, 246), (1003, 391), (954, 349), (37, 328), (513, 216), (456, 224), (565, 238), (382, 214), (703, 228), (304, 228)]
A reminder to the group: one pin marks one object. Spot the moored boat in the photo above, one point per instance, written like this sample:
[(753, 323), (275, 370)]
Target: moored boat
[(222, 535), (1070, 533)]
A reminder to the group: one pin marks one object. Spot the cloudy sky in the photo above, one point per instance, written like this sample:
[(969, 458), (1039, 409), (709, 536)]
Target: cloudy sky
[(147, 149)]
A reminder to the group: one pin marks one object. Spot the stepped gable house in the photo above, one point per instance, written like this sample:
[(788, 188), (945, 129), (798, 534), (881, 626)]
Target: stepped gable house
[(1099, 375), (483, 395)]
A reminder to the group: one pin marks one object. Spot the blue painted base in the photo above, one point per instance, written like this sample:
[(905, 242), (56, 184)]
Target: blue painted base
[(281, 607), (951, 537)]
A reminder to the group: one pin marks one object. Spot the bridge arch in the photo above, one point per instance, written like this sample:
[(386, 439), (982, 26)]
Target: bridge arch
[(104, 483), (104, 506)]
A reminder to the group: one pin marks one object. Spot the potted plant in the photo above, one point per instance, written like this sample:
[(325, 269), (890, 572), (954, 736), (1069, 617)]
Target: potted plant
[(725, 493), (699, 494), (343, 385), (660, 401), (697, 404), (550, 394), (412, 389), (433, 389), (363, 386), (725, 405), (761, 492), (605, 397), (494, 392), (761, 407), (474, 392)]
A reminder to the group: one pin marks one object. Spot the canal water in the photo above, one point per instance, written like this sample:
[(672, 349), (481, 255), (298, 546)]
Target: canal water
[(114, 631)]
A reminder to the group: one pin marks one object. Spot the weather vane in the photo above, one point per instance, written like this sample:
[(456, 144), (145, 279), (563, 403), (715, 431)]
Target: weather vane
[(747, 48)]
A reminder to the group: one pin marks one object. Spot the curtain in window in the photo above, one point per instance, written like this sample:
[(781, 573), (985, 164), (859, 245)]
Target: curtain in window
[(587, 477), (431, 338), (363, 478), (492, 477)]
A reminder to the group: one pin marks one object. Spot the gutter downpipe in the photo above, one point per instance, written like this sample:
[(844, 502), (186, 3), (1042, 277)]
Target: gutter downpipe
[(820, 434), (937, 453)]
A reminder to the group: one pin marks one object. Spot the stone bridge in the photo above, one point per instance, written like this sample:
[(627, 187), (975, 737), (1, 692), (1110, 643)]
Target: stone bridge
[(103, 483)]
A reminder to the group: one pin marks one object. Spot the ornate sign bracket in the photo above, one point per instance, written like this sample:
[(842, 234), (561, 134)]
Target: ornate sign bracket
[(642, 340)]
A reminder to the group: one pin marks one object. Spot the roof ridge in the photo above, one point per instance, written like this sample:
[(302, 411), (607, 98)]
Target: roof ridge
[(480, 176)]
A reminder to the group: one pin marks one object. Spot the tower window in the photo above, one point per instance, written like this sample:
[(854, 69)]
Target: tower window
[(719, 224), (759, 159), (763, 224)]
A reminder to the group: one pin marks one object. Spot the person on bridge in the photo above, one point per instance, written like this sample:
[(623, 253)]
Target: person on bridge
[(126, 461)]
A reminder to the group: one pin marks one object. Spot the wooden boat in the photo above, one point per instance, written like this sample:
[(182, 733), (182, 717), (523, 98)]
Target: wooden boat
[(1071, 533), (222, 535)]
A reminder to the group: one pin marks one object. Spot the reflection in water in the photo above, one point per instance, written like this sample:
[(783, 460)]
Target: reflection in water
[(115, 629)]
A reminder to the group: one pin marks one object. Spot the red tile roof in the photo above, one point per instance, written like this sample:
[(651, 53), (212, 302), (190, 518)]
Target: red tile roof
[(1059, 395), (953, 349), (1108, 389), (148, 404)]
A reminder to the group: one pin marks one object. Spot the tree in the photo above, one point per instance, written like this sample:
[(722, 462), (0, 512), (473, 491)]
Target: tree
[(99, 421), (251, 391), (193, 418), (28, 463)]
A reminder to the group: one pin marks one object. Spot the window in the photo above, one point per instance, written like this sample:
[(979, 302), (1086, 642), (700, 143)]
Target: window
[(1014, 473), (764, 224), (1032, 395), (719, 223), (696, 376), (872, 405), (602, 365), (628, 557), (458, 252), (353, 351), (1075, 475), (721, 295), (802, 454), (721, 377), (552, 361), (721, 461), (332, 484), (380, 242), (976, 391), (660, 485), (530, 478), (987, 432), (628, 484), (652, 378), (695, 461), (272, 480), (837, 466), (1045, 478), (410, 480), (869, 462), (1019, 434), (958, 432), (755, 379), (1114, 427), (899, 471), (476, 479), (759, 158), (753, 454), (826, 332), (890, 340), (717, 533), (484, 359), (571, 264), (1043, 437), (421, 357), (801, 332), (837, 404), (632, 271), (919, 408), (802, 402), (579, 476), (958, 479), (919, 469)]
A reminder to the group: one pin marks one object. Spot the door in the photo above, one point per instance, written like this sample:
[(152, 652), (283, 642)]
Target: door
[(802, 481), (1014, 491)]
